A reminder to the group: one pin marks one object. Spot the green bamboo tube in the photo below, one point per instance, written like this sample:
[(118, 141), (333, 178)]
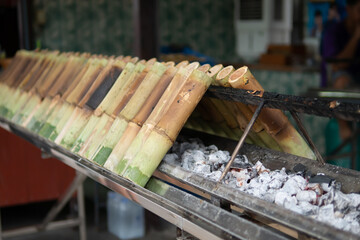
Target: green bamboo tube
[(213, 72), (137, 113), (16, 104), (157, 75), (116, 157), (164, 134), (223, 76), (274, 121), (82, 113), (88, 145), (117, 91), (63, 80), (94, 123), (116, 131), (61, 109), (91, 129), (71, 133), (130, 90), (73, 127), (71, 99)]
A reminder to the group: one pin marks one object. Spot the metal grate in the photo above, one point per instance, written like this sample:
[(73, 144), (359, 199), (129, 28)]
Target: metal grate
[(251, 9)]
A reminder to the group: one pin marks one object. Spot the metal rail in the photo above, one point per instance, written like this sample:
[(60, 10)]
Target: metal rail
[(341, 108)]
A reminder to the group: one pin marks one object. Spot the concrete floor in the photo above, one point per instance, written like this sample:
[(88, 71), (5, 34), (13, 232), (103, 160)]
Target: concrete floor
[(18, 216)]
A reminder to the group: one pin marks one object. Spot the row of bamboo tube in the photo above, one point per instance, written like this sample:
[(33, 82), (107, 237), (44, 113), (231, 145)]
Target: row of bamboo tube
[(124, 113)]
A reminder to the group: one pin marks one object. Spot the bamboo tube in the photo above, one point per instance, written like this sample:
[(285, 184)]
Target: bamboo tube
[(51, 76), (115, 162), (89, 102), (274, 121), (74, 130), (95, 92), (132, 107), (69, 73), (71, 99), (17, 103), (131, 88), (127, 76), (213, 72), (164, 134), (91, 126), (257, 134), (136, 101), (137, 110), (223, 76)]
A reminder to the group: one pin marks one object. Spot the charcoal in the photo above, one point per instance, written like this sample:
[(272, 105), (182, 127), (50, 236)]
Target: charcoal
[(300, 168), (321, 179), (317, 196)]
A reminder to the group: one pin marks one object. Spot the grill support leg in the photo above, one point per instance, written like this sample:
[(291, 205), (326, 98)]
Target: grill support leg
[(48, 222), (307, 137), (242, 139)]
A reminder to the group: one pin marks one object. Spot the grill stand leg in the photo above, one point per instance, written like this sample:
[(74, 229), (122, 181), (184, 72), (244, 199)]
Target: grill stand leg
[(307, 137), (354, 146), (48, 223), (242, 139)]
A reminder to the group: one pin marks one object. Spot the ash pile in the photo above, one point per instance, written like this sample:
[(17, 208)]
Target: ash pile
[(312, 194)]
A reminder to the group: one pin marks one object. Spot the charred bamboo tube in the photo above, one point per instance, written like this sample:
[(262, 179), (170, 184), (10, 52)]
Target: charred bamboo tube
[(274, 121), (164, 133), (115, 162)]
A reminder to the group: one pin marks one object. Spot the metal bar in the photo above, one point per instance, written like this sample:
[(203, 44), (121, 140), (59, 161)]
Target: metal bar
[(34, 229), (81, 211), (1, 233), (354, 146), (346, 109), (78, 180), (307, 137), (242, 140)]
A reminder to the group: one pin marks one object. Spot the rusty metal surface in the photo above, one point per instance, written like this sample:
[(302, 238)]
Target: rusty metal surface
[(340, 108)]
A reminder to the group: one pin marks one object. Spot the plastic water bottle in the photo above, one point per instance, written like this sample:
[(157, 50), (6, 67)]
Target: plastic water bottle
[(125, 218)]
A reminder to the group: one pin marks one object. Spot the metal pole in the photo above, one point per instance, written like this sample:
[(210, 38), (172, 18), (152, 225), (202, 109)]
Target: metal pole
[(0, 227), (81, 213), (242, 139), (307, 137), (78, 180), (354, 146)]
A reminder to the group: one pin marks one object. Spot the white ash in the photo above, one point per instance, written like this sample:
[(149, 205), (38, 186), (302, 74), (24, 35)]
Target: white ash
[(323, 202)]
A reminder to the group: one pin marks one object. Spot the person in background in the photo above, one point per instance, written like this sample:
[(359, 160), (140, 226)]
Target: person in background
[(318, 25), (342, 42)]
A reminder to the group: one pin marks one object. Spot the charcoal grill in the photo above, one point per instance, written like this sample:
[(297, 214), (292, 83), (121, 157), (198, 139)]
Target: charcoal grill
[(211, 210)]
